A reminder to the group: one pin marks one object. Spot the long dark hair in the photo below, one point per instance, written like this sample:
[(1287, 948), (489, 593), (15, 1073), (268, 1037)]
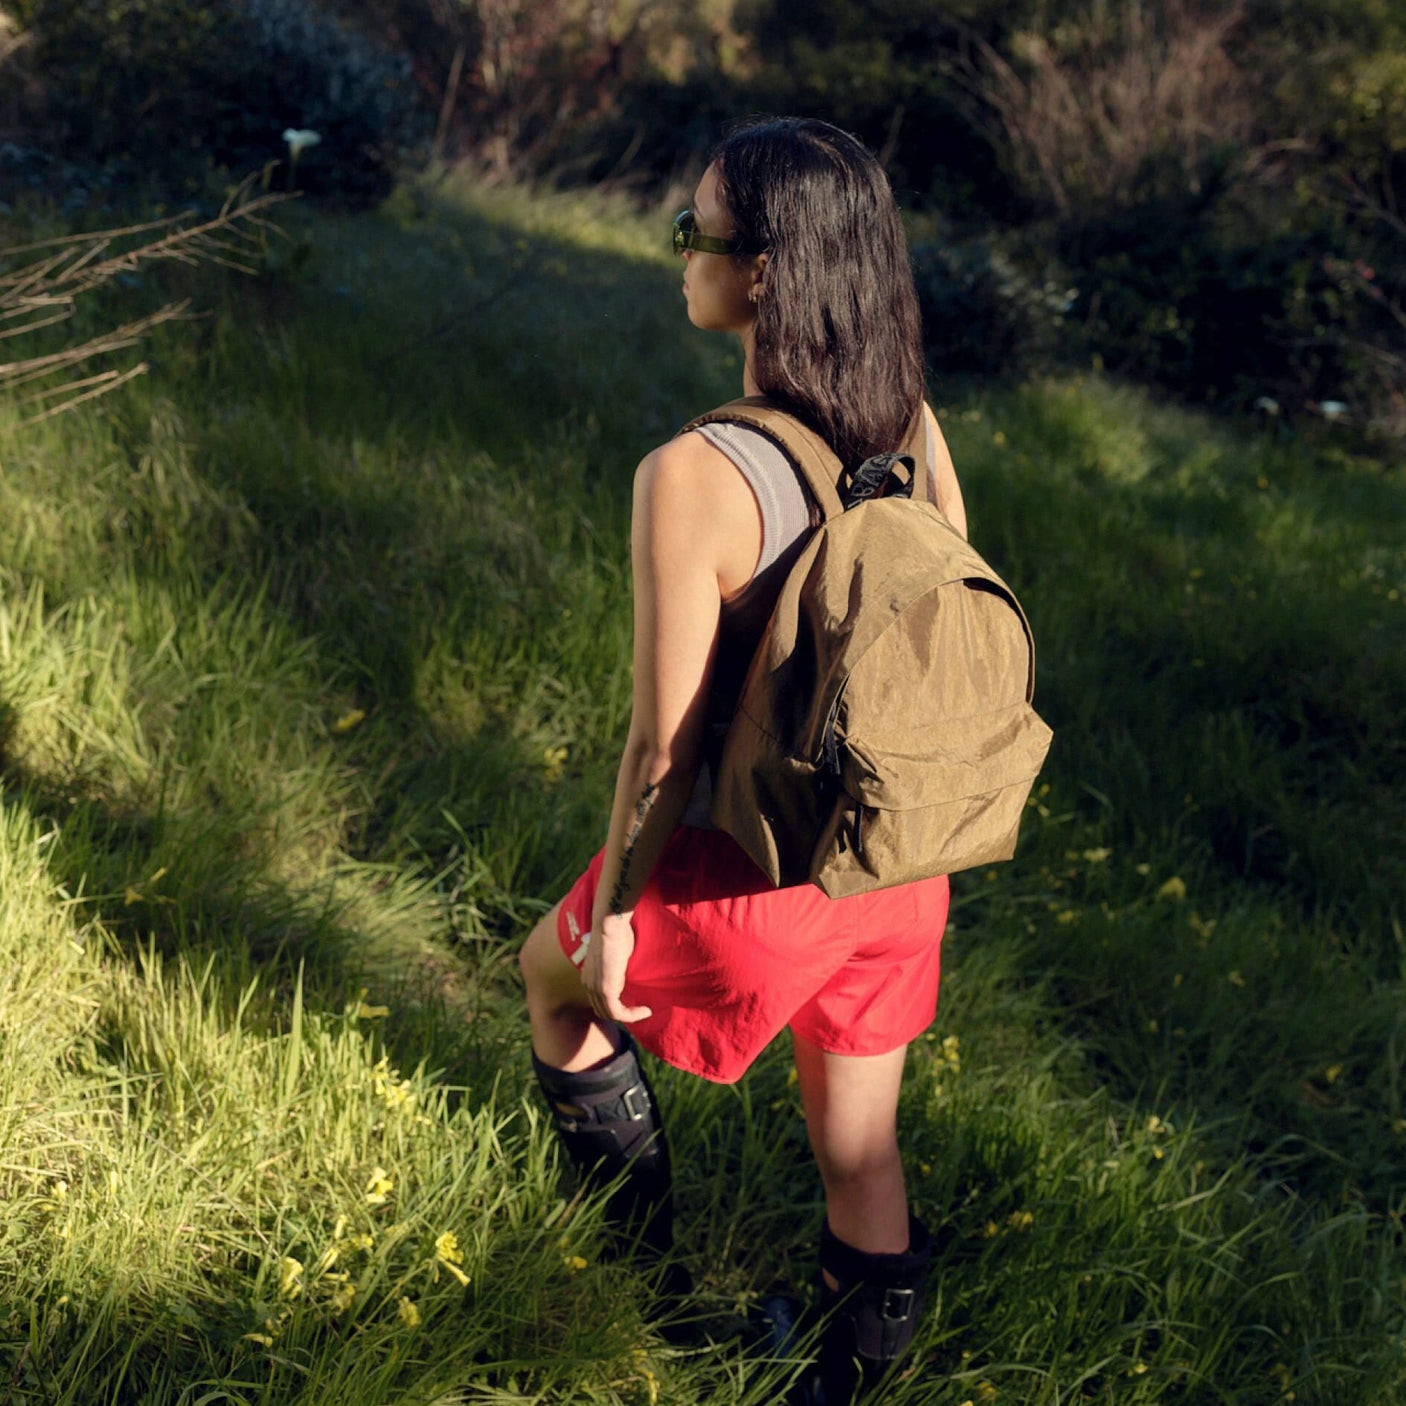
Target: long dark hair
[(838, 338)]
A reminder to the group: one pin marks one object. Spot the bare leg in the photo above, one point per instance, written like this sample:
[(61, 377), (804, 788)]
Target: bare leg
[(565, 1031), (600, 1100), (851, 1108)]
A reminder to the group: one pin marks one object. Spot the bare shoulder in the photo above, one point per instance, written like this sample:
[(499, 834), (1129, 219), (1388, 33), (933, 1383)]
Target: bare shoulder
[(691, 475), (691, 491), (691, 463)]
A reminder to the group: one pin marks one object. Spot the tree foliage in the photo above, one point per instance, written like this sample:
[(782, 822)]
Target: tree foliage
[(171, 85)]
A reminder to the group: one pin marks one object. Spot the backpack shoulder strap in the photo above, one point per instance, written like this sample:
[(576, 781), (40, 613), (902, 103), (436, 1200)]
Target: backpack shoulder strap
[(918, 445), (813, 458)]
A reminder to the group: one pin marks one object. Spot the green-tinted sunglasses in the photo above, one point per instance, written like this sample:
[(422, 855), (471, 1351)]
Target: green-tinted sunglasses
[(686, 236)]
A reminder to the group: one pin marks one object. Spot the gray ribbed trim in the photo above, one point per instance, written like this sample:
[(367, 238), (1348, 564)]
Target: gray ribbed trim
[(785, 515)]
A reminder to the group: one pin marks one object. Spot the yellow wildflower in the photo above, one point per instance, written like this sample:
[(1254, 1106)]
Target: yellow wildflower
[(361, 1242), (379, 1186), (448, 1253), (553, 762), (1202, 927), (408, 1313), (290, 1276), (1020, 1220), (1143, 869), (999, 439), (262, 1339), (353, 717), (343, 1298), (573, 1263), (1097, 856), (1066, 916), (986, 1391), (1235, 979), (1174, 888), (365, 1012)]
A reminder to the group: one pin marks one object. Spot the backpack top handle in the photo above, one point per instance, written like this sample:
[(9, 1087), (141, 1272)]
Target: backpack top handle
[(879, 477)]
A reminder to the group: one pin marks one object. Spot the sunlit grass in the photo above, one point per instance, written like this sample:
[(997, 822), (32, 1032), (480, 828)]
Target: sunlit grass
[(313, 666)]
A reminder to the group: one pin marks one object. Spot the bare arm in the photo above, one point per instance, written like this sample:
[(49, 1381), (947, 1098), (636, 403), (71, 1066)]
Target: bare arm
[(949, 491), (693, 530)]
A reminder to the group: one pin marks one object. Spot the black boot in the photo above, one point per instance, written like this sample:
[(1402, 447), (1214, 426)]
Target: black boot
[(870, 1318), (609, 1124)]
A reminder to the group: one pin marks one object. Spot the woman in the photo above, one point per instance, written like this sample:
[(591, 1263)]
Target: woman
[(795, 246)]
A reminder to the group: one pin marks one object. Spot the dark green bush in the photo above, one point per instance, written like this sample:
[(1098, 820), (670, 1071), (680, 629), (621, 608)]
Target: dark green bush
[(1215, 310), (983, 314), (169, 86)]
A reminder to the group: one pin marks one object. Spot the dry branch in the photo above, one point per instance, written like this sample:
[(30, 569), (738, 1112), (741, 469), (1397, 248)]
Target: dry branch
[(41, 282), (1147, 82)]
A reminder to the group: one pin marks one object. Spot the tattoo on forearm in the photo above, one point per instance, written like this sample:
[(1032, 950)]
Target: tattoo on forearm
[(642, 808)]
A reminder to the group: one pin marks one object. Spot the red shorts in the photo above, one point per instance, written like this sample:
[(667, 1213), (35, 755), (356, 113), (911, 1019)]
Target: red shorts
[(724, 960)]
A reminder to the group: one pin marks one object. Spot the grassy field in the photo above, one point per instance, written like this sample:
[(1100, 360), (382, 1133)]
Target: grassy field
[(313, 667)]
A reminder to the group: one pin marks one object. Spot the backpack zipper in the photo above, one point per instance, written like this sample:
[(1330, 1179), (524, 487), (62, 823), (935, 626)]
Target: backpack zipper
[(832, 741), (832, 765)]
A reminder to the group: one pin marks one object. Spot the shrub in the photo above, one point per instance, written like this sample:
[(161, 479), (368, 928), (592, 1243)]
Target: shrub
[(1189, 298), (1093, 111), (168, 85), (983, 314)]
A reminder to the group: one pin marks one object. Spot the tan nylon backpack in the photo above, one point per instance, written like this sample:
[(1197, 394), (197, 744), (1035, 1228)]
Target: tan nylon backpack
[(884, 732)]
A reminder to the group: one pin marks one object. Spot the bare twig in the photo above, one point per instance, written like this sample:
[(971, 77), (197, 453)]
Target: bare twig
[(41, 282), (1147, 82)]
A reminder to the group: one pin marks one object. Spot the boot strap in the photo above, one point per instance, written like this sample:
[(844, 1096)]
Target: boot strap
[(631, 1105)]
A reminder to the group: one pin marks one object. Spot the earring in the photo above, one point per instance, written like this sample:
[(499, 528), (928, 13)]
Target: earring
[(755, 294)]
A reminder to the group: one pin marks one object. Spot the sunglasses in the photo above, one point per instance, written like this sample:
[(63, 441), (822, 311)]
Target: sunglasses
[(686, 236)]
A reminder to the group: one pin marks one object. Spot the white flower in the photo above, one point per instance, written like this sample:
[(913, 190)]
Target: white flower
[(1332, 409), (299, 139), (1268, 404)]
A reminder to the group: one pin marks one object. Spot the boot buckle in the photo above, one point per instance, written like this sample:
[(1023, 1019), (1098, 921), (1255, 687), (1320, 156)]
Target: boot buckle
[(635, 1101), (898, 1304)]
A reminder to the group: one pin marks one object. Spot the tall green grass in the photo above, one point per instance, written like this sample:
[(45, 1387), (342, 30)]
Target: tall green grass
[(313, 666)]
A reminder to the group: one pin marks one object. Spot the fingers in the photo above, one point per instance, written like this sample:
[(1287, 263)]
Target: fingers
[(626, 1015), (610, 1007)]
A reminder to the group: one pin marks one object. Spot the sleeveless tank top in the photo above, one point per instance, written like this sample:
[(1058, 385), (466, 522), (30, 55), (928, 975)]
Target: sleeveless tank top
[(787, 519)]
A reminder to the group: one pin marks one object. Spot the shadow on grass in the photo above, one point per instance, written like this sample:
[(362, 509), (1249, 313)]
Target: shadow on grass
[(424, 441)]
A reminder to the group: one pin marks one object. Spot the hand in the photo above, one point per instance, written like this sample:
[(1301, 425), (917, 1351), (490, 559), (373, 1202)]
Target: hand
[(608, 951)]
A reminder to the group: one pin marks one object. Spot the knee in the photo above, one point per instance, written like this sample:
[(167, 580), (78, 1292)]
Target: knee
[(845, 1161)]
